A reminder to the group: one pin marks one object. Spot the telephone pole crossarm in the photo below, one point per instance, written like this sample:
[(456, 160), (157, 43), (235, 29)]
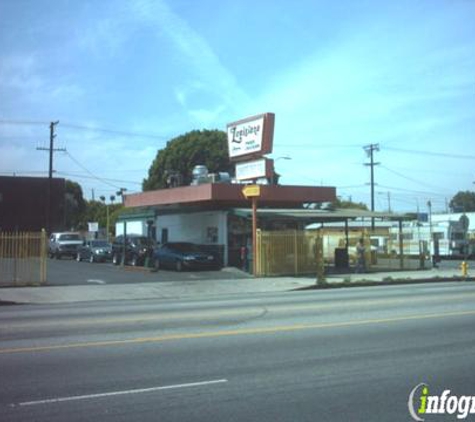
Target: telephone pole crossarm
[(51, 151), (370, 152)]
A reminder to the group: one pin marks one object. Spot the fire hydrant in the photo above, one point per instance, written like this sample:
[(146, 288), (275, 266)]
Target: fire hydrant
[(464, 268)]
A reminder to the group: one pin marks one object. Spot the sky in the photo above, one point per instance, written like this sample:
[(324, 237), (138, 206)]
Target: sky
[(124, 77)]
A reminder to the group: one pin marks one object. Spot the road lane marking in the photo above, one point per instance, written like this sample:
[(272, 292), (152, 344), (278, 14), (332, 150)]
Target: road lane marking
[(255, 310), (120, 393), (237, 332), (96, 281)]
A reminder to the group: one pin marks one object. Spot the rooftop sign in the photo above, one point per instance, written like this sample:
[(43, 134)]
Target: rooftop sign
[(251, 137), (255, 169)]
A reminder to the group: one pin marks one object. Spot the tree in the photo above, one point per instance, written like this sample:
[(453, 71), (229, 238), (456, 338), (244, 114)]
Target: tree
[(339, 203), (75, 205), (176, 161), (463, 201)]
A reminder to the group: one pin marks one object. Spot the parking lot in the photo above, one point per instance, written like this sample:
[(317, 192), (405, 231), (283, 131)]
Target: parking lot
[(68, 271)]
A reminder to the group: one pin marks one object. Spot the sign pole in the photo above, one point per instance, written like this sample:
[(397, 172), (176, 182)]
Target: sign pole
[(253, 192), (254, 235)]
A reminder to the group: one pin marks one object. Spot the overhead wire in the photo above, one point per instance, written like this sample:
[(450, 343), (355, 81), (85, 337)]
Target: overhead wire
[(100, 179), (82, 176), (114, 131), (431, 153), (408, 178), (22, 122)]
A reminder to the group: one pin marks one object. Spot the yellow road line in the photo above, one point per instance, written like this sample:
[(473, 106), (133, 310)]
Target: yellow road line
[(237, 332)]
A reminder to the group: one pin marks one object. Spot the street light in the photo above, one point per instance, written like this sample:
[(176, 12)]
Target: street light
[(284, 157), (120, 193), (103, 199)]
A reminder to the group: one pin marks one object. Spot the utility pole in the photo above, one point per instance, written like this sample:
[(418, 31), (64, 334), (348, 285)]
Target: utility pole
[(370, 152), (51, 150)]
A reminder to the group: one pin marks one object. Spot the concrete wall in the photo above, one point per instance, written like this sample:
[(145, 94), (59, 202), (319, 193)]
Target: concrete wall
[(200, 227), (206, 228)]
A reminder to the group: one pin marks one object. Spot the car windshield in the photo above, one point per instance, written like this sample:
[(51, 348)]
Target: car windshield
[(69, 236), (99, 243), (184, 247)]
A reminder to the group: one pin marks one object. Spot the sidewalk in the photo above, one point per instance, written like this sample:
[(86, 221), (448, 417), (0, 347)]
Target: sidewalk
[(204, 288)]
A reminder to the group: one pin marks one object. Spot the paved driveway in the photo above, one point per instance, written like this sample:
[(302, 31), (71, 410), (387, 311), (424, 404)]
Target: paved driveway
[(69, 272)]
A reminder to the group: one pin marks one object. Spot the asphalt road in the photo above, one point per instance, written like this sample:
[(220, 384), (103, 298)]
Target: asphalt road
[(69, 272), (339, 355)]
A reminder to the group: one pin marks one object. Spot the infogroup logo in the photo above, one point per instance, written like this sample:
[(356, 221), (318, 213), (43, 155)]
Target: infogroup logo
[(421, 403)]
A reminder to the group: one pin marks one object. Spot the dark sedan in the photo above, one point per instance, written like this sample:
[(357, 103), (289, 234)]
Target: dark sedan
[(184, 255), (95, 251)]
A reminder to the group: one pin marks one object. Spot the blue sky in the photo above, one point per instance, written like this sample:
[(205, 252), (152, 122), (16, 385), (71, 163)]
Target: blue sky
[(338, 75)]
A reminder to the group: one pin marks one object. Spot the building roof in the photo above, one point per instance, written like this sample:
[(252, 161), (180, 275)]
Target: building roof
[(230, 195), (313, 216)]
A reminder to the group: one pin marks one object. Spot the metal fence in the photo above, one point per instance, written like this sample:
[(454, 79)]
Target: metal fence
[(294, 252), (23, 257), (382, 249), (288, 252)]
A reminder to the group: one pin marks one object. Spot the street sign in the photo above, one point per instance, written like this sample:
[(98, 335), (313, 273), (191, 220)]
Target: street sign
[(251, 191)]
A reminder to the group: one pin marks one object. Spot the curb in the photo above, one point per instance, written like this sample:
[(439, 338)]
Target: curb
[(371, 283)]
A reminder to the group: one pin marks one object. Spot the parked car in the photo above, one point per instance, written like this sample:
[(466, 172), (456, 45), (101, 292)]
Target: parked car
[(137, 249), (184, 255), (95, 251), (64, 244)]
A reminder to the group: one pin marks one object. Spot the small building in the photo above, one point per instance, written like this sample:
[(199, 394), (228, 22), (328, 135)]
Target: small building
[(211, 214), (31, 203)]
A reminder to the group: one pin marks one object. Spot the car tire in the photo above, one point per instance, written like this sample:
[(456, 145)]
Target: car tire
[(179, 266), (91, 259), (57, 255), (78, 257), (134, 261), (115, 259), (155, 265)]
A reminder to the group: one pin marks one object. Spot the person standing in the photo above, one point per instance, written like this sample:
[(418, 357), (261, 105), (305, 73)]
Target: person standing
[(360, 257)]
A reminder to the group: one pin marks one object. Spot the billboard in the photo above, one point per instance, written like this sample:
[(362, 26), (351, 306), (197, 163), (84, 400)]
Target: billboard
[(250, 137)]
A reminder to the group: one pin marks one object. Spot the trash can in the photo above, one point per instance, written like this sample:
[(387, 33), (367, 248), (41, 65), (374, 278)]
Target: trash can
[(341, 258)]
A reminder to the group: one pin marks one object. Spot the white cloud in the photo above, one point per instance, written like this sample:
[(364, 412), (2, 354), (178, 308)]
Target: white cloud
[(209, 78), (19, 72)]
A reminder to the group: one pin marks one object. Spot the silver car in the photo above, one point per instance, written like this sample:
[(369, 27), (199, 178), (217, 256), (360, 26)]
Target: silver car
[(64, 244)]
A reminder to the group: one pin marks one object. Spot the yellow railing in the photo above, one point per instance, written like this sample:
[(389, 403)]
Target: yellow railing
[(294, 252), (23, 257), (285, 252)]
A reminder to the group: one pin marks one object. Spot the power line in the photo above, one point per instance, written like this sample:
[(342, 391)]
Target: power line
[(89, 128), (409, 178), (319, 146), (114, 131), (82, 176), (91, 173), (415, 192), (432, 153), (22, 122)]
